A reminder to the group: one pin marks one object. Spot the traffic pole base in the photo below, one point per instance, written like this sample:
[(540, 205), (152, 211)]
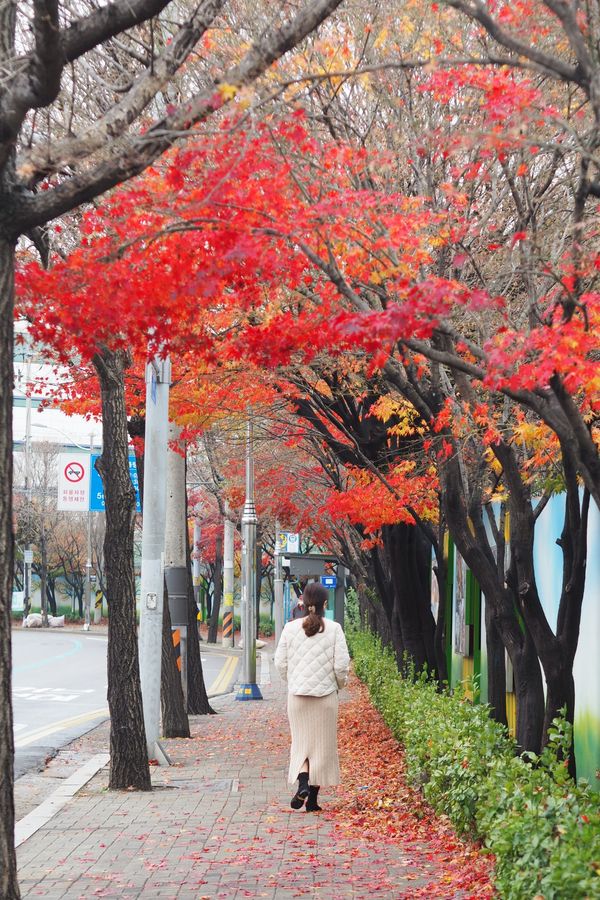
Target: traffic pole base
[(249, 691)]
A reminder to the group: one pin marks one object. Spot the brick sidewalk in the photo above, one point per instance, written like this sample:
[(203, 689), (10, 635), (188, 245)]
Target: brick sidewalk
[(216, 825)]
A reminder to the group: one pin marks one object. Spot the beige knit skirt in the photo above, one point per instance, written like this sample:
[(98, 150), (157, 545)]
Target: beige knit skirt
[(313, 724)]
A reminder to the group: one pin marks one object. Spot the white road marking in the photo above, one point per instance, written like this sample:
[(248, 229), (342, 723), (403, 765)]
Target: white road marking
[(50, 695), (60, 726)]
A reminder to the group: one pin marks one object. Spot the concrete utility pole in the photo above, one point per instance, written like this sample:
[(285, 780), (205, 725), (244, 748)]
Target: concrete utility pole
[(248, 689), (278, 586), (176, 541), (196, 560), (158, 379), (87, 599), (228, 546)]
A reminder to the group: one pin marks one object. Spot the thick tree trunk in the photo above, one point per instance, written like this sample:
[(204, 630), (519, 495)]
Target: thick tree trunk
[(556, 652), (218, 591), (175, 722), (410, 617), (560, 694), (51, 592), (198, 703), (529, 693), (9, 888), (439, 638), (496, 668), (128, 752), (385, 591), (502, 601)]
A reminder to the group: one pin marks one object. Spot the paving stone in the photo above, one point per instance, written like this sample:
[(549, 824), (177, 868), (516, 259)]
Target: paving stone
[(217, 825)]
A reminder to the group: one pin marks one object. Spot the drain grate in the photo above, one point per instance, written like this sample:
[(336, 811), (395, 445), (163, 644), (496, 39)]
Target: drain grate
[(202, 785)]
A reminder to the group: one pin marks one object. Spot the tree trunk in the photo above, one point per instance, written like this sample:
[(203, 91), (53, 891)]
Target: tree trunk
[(529, 693), (218, 591), (198, 703), (44, 579), (388, 605), (496, 668), (439, 638), (560, 694), (51, 593), (416, 626), (471, 541), (175, 723), (9, 888), (128, 752)]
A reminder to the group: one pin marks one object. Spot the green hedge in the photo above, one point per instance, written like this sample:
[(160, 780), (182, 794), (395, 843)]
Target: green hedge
[(543, 830)]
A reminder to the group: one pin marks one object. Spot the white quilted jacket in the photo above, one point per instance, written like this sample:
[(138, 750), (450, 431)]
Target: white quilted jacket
[(313, 666)]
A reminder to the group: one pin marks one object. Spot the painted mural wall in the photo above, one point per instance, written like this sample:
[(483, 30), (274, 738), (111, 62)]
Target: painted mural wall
[(548, 567)]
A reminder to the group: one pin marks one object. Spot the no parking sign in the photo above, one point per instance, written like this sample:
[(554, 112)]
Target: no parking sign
[(73, 481)]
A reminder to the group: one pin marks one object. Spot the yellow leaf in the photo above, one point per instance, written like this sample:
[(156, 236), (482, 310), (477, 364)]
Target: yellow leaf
[(228, 91), (380, 39)]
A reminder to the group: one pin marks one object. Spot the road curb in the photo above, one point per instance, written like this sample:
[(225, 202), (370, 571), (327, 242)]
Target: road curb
[(42, 814)]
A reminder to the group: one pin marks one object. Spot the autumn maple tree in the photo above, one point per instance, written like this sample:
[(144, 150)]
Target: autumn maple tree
[(409, 262), (52, 164)]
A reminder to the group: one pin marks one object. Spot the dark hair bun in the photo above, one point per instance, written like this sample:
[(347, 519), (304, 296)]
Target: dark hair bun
[(315, 598)]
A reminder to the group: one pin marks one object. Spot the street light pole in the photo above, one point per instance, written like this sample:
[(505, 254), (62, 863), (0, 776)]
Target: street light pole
[(248, 689)]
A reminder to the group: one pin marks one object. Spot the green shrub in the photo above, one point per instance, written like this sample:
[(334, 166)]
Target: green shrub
[(351, 609), (265, 625), (542, 828)]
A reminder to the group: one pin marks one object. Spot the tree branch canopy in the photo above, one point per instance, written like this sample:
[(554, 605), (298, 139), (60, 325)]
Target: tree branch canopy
[(37, 81), (143, 149)]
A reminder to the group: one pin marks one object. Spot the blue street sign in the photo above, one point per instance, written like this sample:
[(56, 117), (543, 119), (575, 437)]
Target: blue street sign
[(97, 503), (329, 581)]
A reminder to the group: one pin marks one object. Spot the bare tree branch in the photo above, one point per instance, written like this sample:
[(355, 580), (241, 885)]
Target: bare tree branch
[(49, 158), (144, 149)]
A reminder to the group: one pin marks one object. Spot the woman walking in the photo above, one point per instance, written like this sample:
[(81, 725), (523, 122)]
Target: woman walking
[(312, 656)]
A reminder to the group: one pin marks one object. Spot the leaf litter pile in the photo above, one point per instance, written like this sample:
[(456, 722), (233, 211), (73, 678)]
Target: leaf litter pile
[(374, 805)]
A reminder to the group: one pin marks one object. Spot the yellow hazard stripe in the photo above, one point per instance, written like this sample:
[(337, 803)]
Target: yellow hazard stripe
[(60, 726), (221, 682), (227, 624), (176, 636)]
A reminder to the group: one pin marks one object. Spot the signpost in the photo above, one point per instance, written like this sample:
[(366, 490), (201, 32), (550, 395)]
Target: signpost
[(97, 503), (73, 482), (288, 542)]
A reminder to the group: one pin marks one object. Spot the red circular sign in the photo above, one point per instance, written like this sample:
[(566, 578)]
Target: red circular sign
[(74, 472)]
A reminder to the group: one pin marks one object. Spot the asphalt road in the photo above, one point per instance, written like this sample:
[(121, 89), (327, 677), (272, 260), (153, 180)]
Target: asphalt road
[(59, 689)]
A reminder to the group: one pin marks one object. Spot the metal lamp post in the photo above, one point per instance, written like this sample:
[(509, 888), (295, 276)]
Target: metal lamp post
[(248, 689)]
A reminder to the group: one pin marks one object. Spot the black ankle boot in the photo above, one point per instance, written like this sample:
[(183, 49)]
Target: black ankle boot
[(297, 801), (311, 803)]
